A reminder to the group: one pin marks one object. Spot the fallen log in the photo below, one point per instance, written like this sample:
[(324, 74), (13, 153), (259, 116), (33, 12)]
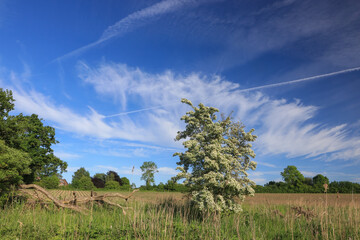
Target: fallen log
[(53, 199), (73, 204)]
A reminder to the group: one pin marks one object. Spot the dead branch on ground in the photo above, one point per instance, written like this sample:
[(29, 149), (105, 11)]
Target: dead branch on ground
[(73, 204)]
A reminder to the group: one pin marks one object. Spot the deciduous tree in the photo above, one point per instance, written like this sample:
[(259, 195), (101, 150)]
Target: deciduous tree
[(149, 169), (217, 159), (81, 172), (293, 177), (30, 135)]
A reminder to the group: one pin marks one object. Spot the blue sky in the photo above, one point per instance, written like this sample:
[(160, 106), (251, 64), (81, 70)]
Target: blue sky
[(109, 76)]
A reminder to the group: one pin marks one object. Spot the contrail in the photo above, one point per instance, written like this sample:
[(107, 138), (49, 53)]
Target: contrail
[(250, 89), (135, 111), (300, 80), (134, 20), (142, 110)]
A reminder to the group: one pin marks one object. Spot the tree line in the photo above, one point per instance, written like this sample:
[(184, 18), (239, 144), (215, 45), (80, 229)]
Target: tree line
[(295, 182), (81, 180)]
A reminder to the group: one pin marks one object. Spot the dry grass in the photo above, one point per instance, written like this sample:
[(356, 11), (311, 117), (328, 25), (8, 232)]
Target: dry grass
[(157, 215), (259, 198), (307, 199)]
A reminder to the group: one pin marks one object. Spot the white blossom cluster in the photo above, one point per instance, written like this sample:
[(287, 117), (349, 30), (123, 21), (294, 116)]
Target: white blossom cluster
[(216, 161)]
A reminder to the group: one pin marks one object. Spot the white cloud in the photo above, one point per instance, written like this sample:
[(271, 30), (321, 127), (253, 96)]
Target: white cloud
[(283, 127), (286, 131), (92, 124), (143, 16), (167, 171), (351, 153)]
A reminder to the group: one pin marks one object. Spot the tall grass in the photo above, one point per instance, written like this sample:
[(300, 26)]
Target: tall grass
[(173, 218)]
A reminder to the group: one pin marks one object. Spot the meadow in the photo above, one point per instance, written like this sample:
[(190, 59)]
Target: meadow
[(162, 215)]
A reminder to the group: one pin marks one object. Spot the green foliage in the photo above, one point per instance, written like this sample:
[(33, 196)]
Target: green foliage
[(113, 176), (292, 176), (112, 185), (50, 182), (28, 134), (172, 186), (344, 187), (125, 181), (307, 185), (149, 169), (217, 159), (85, 183), (101, 176), (14, 164), (160, 187), (6, 105), (319, 181), (81, 172)]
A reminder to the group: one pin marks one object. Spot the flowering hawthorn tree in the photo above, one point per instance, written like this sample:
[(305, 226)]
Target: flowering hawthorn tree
[(216, 161)]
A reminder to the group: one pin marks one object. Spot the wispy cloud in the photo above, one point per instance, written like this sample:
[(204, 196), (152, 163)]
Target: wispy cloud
[(283, 127), (239, 90), (143, 16), (135, 20)]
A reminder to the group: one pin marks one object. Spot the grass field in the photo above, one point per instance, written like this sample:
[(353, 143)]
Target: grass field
[(156, 215)]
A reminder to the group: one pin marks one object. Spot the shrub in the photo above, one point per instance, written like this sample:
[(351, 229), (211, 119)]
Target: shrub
[(50, 182), (112, 185), (85, 183), (125, 181), (113, 176)]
